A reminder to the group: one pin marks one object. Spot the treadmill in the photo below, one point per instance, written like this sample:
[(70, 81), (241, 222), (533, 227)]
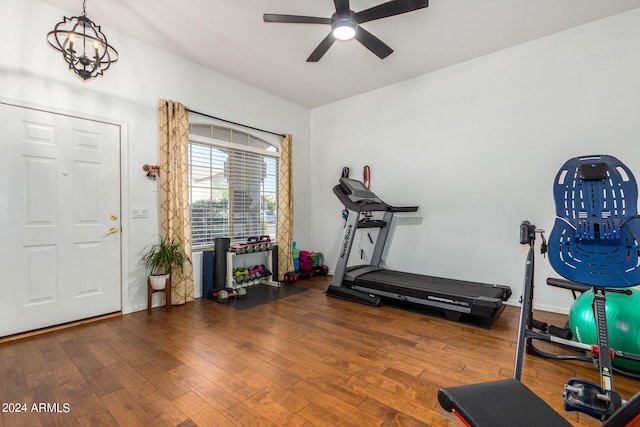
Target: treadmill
[(372, 284)]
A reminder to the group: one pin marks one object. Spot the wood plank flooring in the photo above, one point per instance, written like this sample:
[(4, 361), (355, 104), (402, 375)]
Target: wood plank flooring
[(306, 360)]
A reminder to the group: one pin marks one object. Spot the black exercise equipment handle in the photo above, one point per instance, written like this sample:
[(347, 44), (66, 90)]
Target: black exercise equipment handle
[(527, 233), (560, 332), (566, 284), (402, 208)]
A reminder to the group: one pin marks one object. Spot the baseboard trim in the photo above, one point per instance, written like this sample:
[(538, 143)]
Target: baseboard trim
[(58, 327)]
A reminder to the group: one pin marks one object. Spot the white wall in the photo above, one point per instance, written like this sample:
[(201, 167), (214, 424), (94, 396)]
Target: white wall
[(32, 73), (477, 146)]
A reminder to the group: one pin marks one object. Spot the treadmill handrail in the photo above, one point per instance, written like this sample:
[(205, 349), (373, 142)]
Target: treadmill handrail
[(402, 208)]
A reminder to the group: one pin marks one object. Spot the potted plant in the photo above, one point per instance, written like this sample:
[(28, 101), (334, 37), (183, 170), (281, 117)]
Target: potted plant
[(160, 259)]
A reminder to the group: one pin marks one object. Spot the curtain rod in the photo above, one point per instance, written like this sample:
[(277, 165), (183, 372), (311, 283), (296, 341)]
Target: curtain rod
[(234, 123)]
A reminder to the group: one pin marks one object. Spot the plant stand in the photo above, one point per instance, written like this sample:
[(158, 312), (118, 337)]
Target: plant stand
[(166, 290)]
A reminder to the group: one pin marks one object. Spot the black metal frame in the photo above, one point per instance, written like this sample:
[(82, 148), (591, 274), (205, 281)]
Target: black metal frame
[(527, 334)]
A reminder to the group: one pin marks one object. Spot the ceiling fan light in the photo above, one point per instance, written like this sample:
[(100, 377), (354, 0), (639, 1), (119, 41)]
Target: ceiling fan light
[(344, 29)]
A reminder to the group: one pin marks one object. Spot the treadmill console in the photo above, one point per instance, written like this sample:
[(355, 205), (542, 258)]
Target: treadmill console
[(357, 188), (356, 196)]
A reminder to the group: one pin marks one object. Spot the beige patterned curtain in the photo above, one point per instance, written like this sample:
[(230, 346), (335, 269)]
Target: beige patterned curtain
[(285, 208), (174, 191)]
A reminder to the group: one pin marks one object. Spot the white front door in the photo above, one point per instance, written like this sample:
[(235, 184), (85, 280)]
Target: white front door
[(59, 219)]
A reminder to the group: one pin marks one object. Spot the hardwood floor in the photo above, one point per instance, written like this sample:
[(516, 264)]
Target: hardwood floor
[(306, 360)]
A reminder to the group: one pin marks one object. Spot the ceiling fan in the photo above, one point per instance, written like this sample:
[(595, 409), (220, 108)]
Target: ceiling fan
[(345, 24)]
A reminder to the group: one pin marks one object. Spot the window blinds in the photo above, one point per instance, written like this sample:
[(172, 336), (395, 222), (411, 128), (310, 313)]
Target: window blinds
[(233, 188)]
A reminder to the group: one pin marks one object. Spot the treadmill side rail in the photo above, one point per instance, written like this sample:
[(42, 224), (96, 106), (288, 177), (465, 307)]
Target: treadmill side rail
[(506, 291), (353, 272), (354, 295), (432, 302)]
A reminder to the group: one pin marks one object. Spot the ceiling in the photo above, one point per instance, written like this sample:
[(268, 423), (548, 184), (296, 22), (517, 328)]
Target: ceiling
[(230, 37)]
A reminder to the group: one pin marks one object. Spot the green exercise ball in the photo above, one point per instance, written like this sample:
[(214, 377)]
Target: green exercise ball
[(623, 324)]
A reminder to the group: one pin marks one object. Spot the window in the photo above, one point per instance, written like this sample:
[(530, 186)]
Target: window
[(233, 183)]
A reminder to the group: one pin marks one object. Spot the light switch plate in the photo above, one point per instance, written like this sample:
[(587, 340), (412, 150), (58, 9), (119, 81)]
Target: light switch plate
[(139, 213)]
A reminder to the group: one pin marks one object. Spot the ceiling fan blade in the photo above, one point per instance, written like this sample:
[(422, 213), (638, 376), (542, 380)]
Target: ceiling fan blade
[(342, 7), (373, 43), (390, 8), (295, 19), (321, 49)]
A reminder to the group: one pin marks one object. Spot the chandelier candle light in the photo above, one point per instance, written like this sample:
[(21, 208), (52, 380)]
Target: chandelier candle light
[(83, 45)]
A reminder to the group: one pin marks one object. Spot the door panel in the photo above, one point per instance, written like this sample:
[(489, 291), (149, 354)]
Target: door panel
[(60, 189)]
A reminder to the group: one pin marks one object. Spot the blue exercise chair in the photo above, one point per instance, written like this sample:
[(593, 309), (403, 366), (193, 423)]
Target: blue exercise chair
[(594, 242)]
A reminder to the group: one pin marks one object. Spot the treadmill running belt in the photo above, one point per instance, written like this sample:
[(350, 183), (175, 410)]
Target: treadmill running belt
[(401, 282)]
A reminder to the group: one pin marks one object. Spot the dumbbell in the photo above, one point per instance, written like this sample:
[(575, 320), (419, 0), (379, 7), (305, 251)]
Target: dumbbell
[(241, 275), (239, 249), (255, 272), (265, 271), (223, 296), (290, 277)]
